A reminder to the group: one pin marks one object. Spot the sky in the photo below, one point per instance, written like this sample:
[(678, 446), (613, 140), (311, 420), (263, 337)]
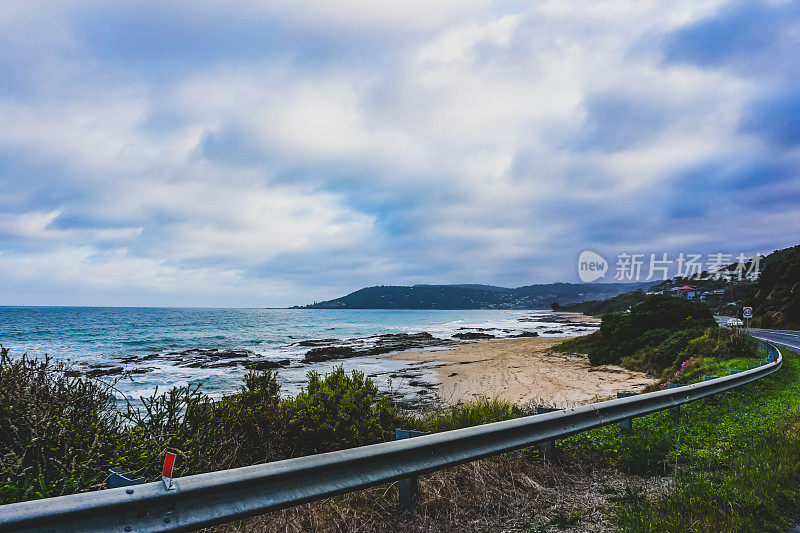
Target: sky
[(272, 153)]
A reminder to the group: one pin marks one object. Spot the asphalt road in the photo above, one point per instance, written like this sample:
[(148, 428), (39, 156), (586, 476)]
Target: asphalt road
[(784, 337)]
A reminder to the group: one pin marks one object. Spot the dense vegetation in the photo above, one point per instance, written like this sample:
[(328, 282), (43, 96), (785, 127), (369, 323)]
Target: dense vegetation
[(776, 299), (61, 432), (727, 463), (474, 296), (675, 338)]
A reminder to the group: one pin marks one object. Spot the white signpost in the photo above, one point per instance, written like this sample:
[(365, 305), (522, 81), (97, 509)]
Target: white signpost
[(747, 313)]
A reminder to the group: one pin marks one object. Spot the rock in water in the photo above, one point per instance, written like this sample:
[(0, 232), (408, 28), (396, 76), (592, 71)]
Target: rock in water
[(266, 365), (472, 335), (327, 353)]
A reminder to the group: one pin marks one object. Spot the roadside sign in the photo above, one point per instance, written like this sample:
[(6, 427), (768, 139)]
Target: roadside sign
[(747, 312)]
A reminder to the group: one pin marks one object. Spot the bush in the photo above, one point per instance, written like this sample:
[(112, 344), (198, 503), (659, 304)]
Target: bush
[(237, 430), (632, 338), (337, 411), (60, 432), (57, 432), (735, 343), (674, 338)]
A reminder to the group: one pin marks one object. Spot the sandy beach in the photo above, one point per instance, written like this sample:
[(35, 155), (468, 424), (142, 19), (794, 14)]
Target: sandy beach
[(524, 370)]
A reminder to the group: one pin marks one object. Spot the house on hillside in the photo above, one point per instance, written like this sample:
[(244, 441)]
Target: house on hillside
[(686, 291), (716, 295)]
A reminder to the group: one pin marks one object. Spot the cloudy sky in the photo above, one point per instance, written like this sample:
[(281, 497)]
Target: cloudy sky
[(269, 153)]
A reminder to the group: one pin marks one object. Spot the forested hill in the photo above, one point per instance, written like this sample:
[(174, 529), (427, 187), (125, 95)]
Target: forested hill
[(776, 298), (475, 296)]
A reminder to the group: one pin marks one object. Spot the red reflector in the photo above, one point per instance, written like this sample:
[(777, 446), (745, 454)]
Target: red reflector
[(169, 464)]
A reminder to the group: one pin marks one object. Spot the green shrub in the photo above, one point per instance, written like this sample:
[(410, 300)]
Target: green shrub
[(237, 430), (646, 326), (338, 411), (60, 432), (674, 338), (57, 432)]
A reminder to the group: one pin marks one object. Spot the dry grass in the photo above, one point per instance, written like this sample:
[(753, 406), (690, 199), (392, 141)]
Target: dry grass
[(514, 492)]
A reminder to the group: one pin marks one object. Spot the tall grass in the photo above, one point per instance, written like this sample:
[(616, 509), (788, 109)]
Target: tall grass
[(480, 411)]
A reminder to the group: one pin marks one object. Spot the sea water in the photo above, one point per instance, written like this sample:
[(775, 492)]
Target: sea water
[(91, 337)]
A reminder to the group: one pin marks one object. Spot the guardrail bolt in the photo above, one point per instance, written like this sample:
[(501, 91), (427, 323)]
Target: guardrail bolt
[(408, 488)]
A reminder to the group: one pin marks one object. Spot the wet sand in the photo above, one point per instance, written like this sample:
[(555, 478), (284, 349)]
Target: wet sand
[(522, 371)]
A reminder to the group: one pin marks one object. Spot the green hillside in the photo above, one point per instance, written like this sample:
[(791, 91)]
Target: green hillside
[(776, 298), (540, 296)]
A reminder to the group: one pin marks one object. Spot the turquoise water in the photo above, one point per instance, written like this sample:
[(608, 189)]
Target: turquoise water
[(89, 336)]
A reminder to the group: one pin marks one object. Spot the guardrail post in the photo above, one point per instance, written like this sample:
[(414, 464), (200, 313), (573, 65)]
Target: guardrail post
[(772, 355), (677, 408), (627, 424), (408, 488), (547, 449)]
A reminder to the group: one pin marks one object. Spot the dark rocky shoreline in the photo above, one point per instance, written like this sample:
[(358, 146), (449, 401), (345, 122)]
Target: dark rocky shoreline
[(376, 345), (327, 349)]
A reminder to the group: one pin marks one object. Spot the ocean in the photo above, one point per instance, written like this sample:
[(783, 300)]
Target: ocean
[(149, 348)]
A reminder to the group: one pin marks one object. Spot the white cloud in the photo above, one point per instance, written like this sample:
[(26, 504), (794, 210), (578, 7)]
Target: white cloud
[(464, 137)]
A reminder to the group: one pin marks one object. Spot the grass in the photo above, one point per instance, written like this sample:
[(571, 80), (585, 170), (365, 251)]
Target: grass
[(705, 430), (733, 459)]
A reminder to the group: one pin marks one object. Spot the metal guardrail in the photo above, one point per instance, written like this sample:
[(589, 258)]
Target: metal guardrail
[(217, 497)]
